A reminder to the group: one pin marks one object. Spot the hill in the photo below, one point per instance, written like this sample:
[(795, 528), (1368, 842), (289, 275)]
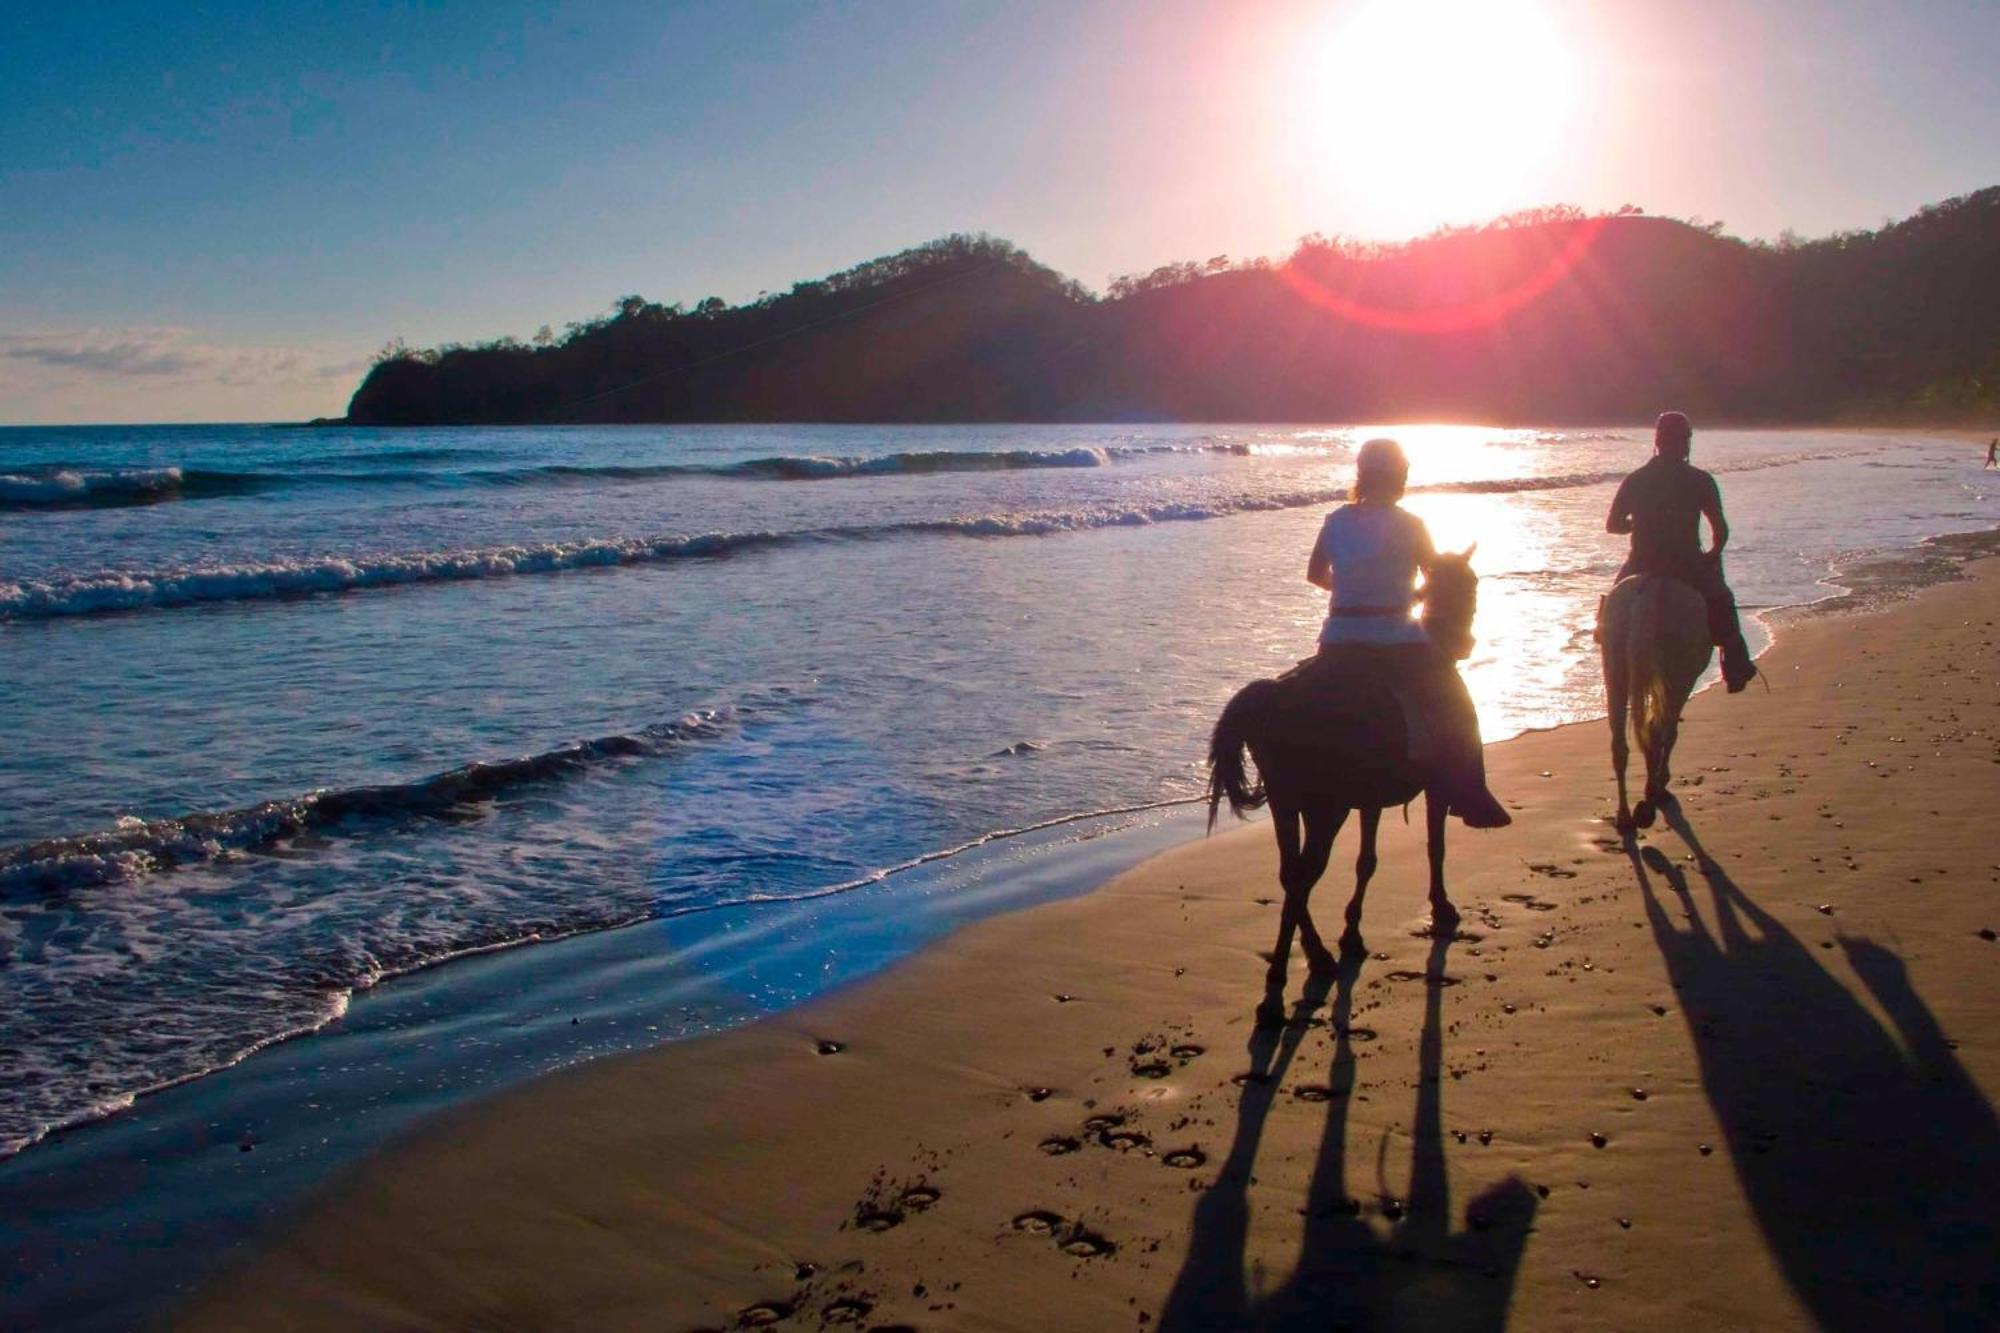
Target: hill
[(1546, 316)]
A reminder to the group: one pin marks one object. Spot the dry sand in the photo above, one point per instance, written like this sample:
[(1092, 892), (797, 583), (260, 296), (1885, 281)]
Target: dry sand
[(1738, 1075)]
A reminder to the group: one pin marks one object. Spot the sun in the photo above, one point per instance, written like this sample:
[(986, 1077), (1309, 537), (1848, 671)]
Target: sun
[(1411, 113)]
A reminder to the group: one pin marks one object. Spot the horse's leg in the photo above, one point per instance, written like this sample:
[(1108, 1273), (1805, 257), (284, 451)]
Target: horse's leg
[(1670, 734), (1364, 870), (1322, 827), (1657, 773), (1617, 689), (1444, 917), (1285, 824)]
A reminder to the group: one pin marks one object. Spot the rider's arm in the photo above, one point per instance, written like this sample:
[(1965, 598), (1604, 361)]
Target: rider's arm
[(1319, 570), (1718, 526), (1319, 565), (1426, 552), (1620, 518)]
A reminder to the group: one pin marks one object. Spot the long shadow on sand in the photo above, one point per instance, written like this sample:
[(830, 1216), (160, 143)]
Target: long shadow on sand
[(1879, 1201), (1419, 1272)]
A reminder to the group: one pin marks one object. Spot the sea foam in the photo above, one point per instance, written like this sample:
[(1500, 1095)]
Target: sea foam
[(137, 847)]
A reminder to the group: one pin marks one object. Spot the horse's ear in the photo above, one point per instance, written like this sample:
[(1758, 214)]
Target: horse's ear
[(1466, 554)]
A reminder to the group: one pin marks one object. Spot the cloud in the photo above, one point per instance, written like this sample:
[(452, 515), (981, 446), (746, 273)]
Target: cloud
[(166, 373), (161, 352)]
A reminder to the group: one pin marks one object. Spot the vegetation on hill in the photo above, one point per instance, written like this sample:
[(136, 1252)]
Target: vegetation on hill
[(1552, 315)]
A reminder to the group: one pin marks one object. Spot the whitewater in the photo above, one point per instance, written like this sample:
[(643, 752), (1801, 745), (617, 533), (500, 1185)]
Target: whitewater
[(292, 711)]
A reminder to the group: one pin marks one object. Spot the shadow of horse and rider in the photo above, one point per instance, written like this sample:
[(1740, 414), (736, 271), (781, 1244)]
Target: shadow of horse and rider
[(1880, 1206), (1426, 1267), (1881, 1203)]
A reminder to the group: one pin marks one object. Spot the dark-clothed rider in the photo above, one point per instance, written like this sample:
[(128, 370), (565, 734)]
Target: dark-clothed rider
[(1662, 505)]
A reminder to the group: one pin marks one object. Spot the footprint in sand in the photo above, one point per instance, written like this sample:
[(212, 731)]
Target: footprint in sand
[(1185, 1159), (763, 1314), (1187, 1050), (878, 1219), (1529, 901), (1313, 1092), (1081, 1242), (1152, 1069), (1060, 1145), (1072, 1238), (1124, 1140), (919, 1197), (847, 1310), (1552, 871)]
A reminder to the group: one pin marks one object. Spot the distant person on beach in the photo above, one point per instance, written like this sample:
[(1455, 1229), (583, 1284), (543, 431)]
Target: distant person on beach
[(1993, 452), (1368, 556), (1661, 506)]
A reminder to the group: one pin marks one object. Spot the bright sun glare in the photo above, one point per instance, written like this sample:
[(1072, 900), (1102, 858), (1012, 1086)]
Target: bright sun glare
[(1426, 111)]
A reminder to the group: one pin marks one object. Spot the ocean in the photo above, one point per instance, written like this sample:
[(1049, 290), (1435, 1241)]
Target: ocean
[(293, 711)]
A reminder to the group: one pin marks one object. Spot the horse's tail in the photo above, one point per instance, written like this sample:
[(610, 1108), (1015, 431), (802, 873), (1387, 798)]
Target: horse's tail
[(1227, 777), (1649, 707), (1646, 650)]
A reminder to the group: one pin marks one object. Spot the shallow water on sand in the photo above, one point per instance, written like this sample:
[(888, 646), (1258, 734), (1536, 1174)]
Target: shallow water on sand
[(290, 711)]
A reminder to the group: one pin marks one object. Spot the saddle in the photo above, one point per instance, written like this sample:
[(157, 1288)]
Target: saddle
[(1369, 689)]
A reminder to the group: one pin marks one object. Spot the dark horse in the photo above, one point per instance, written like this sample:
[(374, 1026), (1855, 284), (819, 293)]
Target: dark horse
[(1326, 744)]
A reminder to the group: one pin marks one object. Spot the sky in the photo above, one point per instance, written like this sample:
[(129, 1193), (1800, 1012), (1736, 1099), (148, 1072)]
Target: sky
[(220, 211)]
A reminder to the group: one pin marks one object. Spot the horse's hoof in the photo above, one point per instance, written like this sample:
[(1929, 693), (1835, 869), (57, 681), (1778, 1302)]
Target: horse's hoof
[(1642, 815), (1444, 919)]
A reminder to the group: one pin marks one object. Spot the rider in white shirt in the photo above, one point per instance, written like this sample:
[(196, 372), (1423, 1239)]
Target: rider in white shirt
[(1368, 557)]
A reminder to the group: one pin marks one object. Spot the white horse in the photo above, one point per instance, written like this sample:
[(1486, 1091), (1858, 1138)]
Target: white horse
[(1653, 632)]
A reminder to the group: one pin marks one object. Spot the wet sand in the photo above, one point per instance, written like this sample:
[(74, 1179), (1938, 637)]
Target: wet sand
[(1739, 1071)]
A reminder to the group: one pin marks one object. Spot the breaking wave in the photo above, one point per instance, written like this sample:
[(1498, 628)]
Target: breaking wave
[(60, 486), (90, 594), (137, 847), (67, 486)]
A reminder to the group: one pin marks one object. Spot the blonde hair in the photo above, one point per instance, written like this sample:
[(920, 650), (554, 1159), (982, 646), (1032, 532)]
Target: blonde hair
[(1381, 471)]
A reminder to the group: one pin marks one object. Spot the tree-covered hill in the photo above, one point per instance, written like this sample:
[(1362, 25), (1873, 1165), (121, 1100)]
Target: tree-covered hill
[(1546, 316)]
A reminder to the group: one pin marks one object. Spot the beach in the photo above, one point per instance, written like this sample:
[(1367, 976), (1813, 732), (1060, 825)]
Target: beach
[(581, 755), (1739, 1071)]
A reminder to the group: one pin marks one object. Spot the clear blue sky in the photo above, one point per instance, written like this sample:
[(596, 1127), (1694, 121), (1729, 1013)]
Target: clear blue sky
[(218, 211)]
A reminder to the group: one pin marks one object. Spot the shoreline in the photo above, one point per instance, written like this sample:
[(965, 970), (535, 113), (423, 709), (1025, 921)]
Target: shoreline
[(175, 1167), (704, 1184)]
